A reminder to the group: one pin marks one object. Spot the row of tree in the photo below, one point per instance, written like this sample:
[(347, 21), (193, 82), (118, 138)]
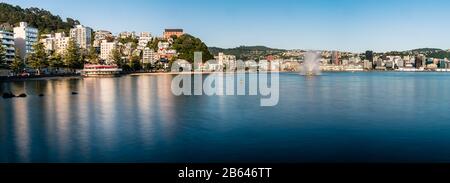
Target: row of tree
[(40, 58)]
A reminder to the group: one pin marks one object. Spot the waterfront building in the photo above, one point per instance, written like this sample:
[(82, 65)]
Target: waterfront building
[(7, 41), (429, 61), (48, 41), (400, 63), (24, 38), (149, 56), (335, 58), (106, 49), (369, 55), (345, 62), (442, 64), (172, 32), (389, 65), (379, 63), (420, 61), (227, 61), (61, 42), (431, 66), (82, 36), (367, 65)]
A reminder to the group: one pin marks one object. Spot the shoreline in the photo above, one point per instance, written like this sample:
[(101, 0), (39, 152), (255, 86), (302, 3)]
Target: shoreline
[(78, 76), (42, 77)]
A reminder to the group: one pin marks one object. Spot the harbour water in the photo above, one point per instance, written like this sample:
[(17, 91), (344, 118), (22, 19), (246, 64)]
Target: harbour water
[(334, 117)]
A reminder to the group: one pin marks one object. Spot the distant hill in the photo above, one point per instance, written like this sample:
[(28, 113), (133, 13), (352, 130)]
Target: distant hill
[(41, 19), (247, 52), (431, 52), (423, 50), (428, 52)]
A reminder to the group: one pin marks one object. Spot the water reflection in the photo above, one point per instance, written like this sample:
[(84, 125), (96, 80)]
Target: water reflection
[(388, 116), (21, 129)]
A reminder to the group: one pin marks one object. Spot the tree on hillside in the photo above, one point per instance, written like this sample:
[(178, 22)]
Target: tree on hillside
[(186, 45), (72, 58), (93, 56), (128, 39), (116, 56), (17, 65), (41, 19), (2, 55), (153, 44), (135, 63), (38, 59)]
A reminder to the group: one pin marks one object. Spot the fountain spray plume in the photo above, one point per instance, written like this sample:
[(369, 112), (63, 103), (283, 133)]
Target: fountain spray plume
[(311, 64)]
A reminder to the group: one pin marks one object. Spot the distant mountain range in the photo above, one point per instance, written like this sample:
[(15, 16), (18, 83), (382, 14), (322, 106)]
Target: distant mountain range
[(41, 19), (255, 52)]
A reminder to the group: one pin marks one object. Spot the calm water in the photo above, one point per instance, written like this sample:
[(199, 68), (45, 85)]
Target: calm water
[(335, 117)]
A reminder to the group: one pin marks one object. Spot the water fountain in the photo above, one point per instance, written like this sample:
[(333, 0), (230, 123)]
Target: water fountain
[(311, 64)]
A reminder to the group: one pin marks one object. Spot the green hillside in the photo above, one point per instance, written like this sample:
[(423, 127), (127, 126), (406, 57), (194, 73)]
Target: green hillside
[(42, 19)]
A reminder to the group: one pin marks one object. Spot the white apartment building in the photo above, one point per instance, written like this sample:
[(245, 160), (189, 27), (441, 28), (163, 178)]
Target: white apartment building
[(149, 56), (24, 38), (82, 36), (55, 42), (106, 49), (7, 41), (60, 43), (47, 41)]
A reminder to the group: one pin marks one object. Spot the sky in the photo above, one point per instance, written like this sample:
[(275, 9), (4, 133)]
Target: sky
[(345, 25)]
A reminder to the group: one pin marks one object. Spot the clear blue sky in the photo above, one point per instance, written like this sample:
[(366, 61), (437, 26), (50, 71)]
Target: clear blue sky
[(347, 25)]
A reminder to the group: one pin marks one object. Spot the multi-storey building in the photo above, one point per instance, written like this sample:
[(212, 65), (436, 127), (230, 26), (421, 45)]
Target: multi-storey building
[(420, 61), (61, 42), (7, 41), (149, 56), (82, 36), (227, 61), (172, 32), (48, 41), (24, 38), (335, 58), (369, 55), (368, 65), (106, 49), (57, 42)]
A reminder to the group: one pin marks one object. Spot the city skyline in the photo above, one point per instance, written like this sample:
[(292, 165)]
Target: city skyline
[(313, 25)]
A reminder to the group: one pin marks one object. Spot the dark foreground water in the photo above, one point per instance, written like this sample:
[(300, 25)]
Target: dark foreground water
[(335, 117)]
